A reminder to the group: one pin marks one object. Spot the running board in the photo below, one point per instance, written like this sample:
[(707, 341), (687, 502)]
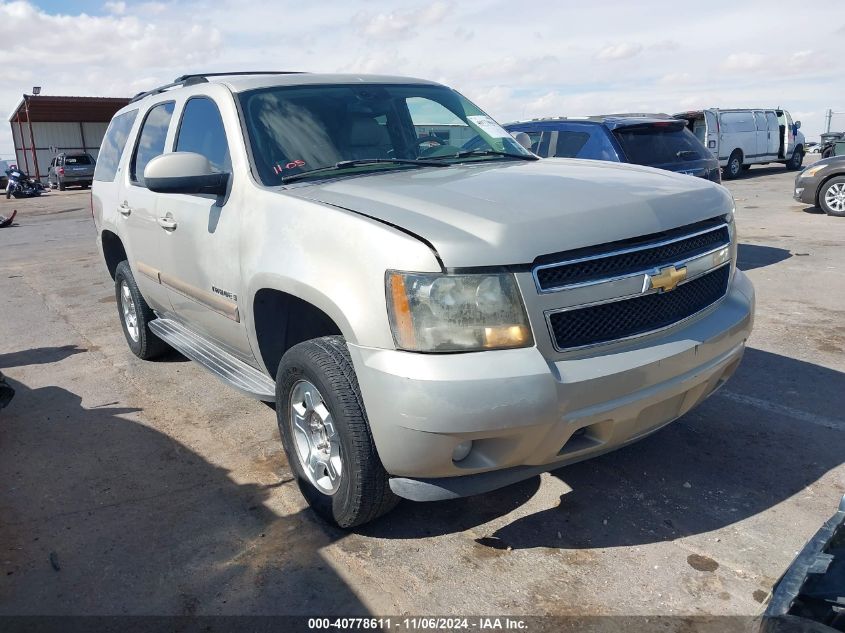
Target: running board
[(222, 364)]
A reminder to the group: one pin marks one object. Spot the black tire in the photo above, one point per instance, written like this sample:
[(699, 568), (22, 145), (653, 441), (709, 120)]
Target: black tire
[(734, 167), (838, 181), (62, 186), (827, 153), (795, 161), (363, 492), (8, 194), (148, 345)]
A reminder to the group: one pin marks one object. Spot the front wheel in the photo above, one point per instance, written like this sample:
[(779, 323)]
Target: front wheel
[(794, 163), (326, 434), (832, 197), (734, 166)]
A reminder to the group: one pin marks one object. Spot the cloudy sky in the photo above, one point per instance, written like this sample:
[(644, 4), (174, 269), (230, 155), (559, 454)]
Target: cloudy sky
[(515, 59)]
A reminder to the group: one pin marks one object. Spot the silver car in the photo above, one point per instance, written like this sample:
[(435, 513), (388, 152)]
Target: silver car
[(70, 169), (431, 322)]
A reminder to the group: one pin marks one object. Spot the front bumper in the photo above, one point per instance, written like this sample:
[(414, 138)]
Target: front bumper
[(526, 414), (805, 190)]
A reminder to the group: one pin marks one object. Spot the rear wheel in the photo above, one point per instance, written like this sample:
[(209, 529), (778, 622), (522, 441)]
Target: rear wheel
[(832, 197), (734, 166), (135, 316), (61, 186), (794, 163), (326, 434), (827, 153)]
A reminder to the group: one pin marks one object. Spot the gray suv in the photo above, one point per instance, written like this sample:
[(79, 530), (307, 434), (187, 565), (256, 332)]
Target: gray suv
[(430, 321), (66, 170)]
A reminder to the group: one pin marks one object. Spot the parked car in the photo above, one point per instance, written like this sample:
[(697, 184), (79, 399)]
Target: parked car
[(740, 138), (430, 322), (643, 140), (829, 142), (810, 595), (822, 184), (4, 179), (71, 169)]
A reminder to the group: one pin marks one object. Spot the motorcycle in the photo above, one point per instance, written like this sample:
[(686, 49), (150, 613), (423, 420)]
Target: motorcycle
[(21, 186)]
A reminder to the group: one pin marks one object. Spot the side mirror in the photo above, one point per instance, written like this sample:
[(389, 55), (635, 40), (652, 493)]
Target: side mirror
[(184, 172), (797, 124)]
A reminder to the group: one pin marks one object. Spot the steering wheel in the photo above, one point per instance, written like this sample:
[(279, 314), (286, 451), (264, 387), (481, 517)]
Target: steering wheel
[(431, 139), (434, 143)]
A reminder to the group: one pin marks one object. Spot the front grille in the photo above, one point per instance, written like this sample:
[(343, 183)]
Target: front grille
[(629, 317), (641, 260)]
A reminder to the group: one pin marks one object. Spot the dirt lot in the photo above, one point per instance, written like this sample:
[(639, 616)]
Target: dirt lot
[(129, 487)]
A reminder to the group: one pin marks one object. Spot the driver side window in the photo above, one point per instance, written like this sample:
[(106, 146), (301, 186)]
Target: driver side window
[(201, 131)]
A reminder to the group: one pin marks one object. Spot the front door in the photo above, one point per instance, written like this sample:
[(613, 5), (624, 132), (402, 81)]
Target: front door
[(774, 134), (137, 209), (202, 272)]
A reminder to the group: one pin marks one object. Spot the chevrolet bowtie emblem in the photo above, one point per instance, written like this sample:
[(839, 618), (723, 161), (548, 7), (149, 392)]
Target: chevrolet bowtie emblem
[(667, 279)]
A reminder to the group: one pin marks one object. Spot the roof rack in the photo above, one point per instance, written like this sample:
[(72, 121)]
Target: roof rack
[(199, 78)]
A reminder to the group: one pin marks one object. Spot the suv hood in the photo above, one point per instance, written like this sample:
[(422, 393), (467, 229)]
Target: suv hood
[(509, 213)]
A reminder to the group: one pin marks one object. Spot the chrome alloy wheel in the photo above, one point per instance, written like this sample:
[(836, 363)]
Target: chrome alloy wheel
[(317, 443), (130, 315), (834, 197)]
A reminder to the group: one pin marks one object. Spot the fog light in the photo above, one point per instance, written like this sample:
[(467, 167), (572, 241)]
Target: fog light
[(461, 450)]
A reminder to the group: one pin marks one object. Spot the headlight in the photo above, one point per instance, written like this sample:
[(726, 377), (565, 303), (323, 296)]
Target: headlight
[(811, 171), (431, 312)]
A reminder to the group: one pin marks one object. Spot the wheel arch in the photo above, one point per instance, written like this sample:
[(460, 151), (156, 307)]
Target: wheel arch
[(113, 250), (282, 318), (822, 185)]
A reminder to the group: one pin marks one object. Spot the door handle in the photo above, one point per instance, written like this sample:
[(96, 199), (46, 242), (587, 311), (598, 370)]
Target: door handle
[(167, 223), (125, 210)]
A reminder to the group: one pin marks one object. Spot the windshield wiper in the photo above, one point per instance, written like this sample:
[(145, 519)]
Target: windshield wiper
[(491, 152), (363, 161), (687, 153)]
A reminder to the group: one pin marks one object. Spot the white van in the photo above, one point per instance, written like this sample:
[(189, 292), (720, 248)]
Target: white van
[(741, 138)]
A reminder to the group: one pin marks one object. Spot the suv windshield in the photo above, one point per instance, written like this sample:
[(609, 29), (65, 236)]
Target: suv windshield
[(294, 130), (659, 144)]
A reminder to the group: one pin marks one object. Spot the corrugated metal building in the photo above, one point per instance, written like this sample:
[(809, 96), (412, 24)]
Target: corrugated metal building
[(45, 125)]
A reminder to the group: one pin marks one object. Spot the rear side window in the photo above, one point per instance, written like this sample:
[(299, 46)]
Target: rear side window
[(580, 141), (201, 131), (150, 140), (112, 146), (82, 159), (659, 145), (738, 122)]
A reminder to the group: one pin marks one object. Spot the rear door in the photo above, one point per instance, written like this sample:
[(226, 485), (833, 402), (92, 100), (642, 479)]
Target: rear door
[(137, 207), (79, 166), (711, 130), (201, 269), (762, 126)]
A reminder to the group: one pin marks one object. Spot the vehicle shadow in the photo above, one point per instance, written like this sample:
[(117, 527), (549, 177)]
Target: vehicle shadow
[(751, 256), (102, 514), (39, 356), (720, 464), (757, 171)]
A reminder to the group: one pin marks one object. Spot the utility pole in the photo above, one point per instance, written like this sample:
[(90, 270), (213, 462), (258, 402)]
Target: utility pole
[(829, 116)]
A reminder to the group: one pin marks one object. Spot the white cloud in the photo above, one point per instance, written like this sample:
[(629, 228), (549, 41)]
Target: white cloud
[(399, 24), (117, 8), (625, 50), (514, 66)]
